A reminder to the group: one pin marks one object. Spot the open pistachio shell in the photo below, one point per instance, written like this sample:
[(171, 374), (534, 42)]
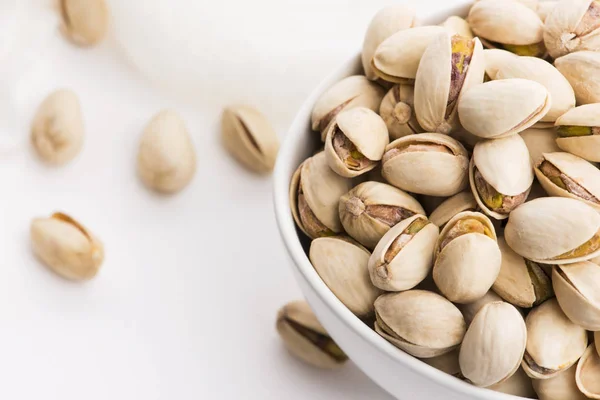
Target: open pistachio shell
[(428, 163), (494, 345), (463, 201), (500, 175), (588, 371), (467, 258), (541, 231), (554, 343), (502, 108), (582, 70), (517, 385), (559, 387), (497, 59), (447, 363), (579, 132), (576, 287), (404, 256), (458, 26), (369, 210), (315, 191), (423, 324), (397, 110), (565, 175), (544, 9), (385, 23), (397, 58), (539, 141), (470, 310), (449, 66), (573, 25)]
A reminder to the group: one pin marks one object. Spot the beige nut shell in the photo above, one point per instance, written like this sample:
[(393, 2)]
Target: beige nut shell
[(397, 110), (497, 59), (560, 387), (540, 141), (458, 26), (588, 370), (84, 22), (562, 34), (470, 310), (576, 288), (463, 201), (586, 147), (517, 385), (582, 70)]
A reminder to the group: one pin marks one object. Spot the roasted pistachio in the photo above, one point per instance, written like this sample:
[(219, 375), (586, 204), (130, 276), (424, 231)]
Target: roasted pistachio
[(397, 110), (576, 287), (559, 387), (540, 141), (572, 25), (579, 132), (588, 371), (463, 201), (458, 26), (497, 59), (85, 22), (582, 70), (471, 309)]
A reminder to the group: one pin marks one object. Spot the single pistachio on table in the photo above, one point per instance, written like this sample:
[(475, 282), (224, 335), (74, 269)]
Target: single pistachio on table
[(544, 9), (466, 258), (66, 247), (508, 25), (572, 25), (554, 343), (166, 160), (306, 338), (450, 65), (423, 324), (428, 163), (397, 58), (84, 22), (397, 110), (559, 387), (353, 91), (342, 264), (355, 142), (463, 201), (540, 141), (517, 385), (57, 129), (582, 70), (404, 256), (565, 175), (250, 138), (447, 363), (314, 194), (385, 23), (370, 209), (497, 59), (494, 345), (458, 26), (502, 108), (588, 371), (500, 175), (576, 287), (470, 310), (542, 231), (578, 132)]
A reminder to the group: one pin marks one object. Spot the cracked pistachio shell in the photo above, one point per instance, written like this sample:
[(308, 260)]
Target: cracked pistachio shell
[(521, 282), (397, 58), (250, 138), (471, 309), (342, 264), (578, 171), (576, 287), (539, 141), (458, 26), (544, 9), (497, 59), (447, 363), (84, 22), (166, 158), (502, 108), (494, 345), (397, 110), (57, 130), (588, 371), (370, 209), (385, 23), (66, 247), (505, 166), (350, 92), (554, 343), (463, 201), (442, 160), (421, 323), (559, 387), (517, 385), (445, 72), (541, 231), (305, 337), (467, 258), (367, 135), (573, 25), (582, 70), (586, 146), (403, 258), (321, 189)]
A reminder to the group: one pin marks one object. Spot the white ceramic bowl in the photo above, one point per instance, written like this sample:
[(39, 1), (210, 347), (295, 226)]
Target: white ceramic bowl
[(400, 374)]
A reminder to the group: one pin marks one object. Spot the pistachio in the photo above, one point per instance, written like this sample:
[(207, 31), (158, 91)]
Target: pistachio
[(250, 138), (84, 22), (463, 201), (166, 158), (576, 291), (66, 247), (588, 371), (397, 110), (404, 256), (517, 385), (369, 210), (497, 59), (579, 132), (57, 129), (494, 345), (306, 338), (458, 26), (471, 309), (582, 70), (447, 363), (559, 387), (573, 25), (423, 324), (439, 158), (539, 141), (355, 142)]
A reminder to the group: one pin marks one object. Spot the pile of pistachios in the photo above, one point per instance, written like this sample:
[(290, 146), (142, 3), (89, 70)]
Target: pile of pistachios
[(455, 201)]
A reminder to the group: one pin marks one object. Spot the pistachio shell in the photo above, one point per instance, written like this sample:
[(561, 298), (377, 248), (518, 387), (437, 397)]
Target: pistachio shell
[(407, 160), (411, 263), (560, 387), (385, 23), (84, 22), (494, 345), (423, 324), (517, 385), (458, 26), (543, 232), (539, 141), (582, 70), (586, 147), (463, 201), (502, 108), (573, 25), (497, 59), (397, 110), (397, 58), (447, 363), (544, 9), (576, 287), (588, 371), (471, 309)]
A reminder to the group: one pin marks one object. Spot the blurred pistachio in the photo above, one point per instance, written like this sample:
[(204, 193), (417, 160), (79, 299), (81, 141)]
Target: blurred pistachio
[(85, 22)]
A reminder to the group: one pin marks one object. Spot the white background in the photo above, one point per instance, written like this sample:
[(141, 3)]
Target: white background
[(185, 303)]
